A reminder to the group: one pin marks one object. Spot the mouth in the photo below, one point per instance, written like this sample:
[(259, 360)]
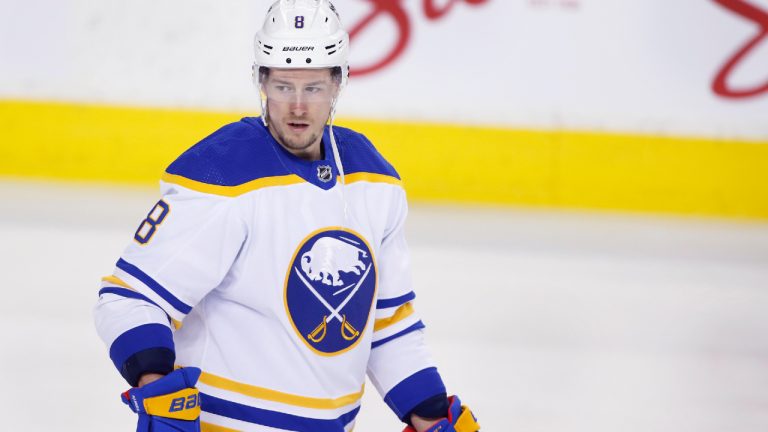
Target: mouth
[(298, 127)]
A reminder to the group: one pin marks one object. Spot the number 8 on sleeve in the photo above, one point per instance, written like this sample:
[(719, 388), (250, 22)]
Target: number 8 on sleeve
[(149, 225)]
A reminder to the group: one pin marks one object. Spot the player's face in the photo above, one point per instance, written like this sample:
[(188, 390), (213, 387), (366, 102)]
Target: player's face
[(299, 104)]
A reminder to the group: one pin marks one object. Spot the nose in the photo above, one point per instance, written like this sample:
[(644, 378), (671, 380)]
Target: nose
[(298, 105)]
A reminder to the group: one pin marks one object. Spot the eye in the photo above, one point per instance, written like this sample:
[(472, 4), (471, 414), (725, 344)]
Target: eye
[(313, 89), (283, 88)]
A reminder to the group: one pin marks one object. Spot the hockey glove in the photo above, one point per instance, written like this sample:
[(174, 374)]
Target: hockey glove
[(170, 404), (460, 419)]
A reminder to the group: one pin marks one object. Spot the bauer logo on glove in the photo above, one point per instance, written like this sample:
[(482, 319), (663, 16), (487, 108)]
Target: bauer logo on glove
[(170, 404), (185, 403)]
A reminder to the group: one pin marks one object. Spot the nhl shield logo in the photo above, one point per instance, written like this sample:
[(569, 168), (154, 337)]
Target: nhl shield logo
[(329, 290), (324, 173)]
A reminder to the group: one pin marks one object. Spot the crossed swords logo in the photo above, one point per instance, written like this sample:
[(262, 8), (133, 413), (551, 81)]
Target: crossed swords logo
[(348, 331)]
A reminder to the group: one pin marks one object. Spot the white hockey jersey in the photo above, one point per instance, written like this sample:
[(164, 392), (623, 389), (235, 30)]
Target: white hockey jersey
[(283, 285)]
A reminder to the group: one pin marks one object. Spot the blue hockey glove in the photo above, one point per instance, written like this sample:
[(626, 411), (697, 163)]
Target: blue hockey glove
[(170, 404), (460, 419)]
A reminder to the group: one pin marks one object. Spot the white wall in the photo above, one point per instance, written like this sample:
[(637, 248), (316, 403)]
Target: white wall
[(642, 66)]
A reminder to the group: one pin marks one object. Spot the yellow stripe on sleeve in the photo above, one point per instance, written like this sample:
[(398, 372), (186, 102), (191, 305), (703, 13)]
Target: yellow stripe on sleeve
[(117, 281), (278, 396), (400, 314)]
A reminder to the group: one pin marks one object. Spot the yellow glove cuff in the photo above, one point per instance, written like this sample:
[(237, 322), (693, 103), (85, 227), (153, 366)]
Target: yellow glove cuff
[(181, 405), (466, 421)]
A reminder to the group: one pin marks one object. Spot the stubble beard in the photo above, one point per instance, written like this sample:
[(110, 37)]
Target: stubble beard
[(297, 146)]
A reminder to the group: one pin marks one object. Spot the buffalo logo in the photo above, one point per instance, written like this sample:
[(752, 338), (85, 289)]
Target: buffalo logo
[(329, 290), (324, 173)]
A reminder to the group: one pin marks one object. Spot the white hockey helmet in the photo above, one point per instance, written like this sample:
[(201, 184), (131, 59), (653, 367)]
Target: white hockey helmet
[(302, 34)]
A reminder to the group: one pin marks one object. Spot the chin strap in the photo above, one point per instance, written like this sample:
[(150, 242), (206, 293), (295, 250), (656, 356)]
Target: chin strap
[(256, 78), (337, 158), (263, 99)]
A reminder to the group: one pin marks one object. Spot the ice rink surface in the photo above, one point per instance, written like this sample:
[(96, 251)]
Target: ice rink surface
[(541, 321)]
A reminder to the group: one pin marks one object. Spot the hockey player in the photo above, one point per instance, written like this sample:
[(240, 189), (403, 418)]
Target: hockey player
[(273, 273)]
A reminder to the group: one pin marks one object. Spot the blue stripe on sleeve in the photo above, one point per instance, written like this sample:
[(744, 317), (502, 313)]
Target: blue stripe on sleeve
[(397, 301), (415, 389), (139, 339), (274, 419), (125, 292), (417, 326), (154, 286)]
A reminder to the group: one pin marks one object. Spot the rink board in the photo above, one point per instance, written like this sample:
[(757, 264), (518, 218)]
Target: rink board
[(444, 163)]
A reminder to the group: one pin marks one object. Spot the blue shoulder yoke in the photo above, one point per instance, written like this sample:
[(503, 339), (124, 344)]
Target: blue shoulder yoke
[(244, 151)]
